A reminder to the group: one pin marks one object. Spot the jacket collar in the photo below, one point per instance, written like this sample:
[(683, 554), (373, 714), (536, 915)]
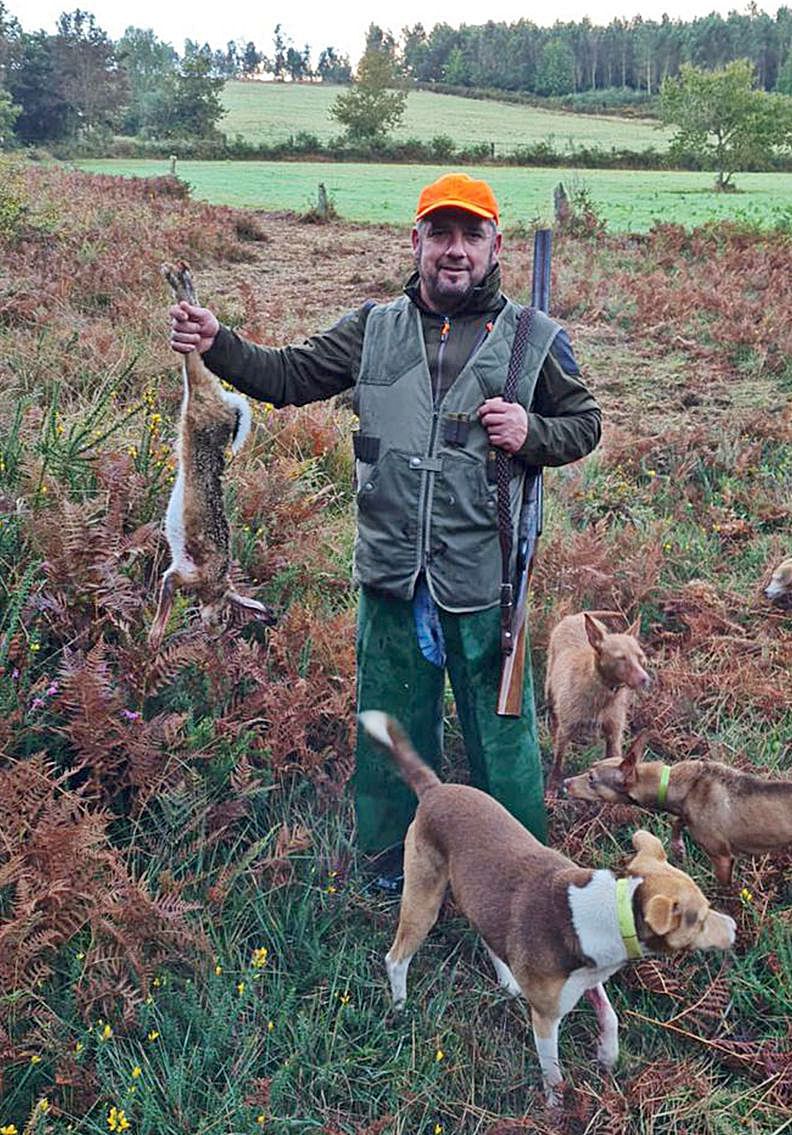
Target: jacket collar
[(486, 296)]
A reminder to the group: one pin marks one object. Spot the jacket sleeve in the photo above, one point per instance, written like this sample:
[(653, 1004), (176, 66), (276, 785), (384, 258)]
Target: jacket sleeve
[(564, 420), (320, 367)]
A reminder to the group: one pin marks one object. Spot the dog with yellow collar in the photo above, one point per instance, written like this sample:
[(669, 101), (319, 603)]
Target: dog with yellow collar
[(726, 811), (554, 931)]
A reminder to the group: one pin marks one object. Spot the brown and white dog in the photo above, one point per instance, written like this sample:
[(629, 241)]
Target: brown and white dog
[(727, 812), (591, 676), (554, 931), (779, 589)]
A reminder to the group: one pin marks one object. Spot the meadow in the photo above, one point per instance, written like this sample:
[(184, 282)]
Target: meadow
[(188, 942), (271, 112), (627, 200)]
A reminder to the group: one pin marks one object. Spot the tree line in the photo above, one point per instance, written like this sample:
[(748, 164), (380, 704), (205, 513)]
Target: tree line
[(635, 55), (78, 83)]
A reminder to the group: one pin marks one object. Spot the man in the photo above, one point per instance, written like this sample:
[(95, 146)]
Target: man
[(428, 371)]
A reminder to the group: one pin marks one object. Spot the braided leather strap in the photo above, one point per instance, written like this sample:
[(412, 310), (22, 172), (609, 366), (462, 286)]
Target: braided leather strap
[(503, 479)]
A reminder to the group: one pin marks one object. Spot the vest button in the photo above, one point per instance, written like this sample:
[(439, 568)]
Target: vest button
[(368, 486), (415, 462)]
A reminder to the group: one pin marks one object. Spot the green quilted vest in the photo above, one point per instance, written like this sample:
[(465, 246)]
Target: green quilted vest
[(424, 500)]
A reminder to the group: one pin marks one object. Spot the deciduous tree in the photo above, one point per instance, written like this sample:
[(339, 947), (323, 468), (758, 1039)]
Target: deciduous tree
[(370, 109), (723, 120)]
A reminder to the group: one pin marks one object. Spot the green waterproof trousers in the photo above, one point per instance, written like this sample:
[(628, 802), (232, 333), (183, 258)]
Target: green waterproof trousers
[(394, 676)]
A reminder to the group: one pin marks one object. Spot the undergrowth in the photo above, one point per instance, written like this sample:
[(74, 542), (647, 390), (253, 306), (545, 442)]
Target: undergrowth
[(187, 943)]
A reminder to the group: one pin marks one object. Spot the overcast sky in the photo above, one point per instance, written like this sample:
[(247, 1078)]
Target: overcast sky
[(320, 23)]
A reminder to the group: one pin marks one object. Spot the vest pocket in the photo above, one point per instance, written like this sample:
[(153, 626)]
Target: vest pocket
[(463, 498)]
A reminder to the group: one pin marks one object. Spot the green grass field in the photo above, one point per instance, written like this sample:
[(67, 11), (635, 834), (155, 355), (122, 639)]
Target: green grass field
[(629, 200), (270, 112)]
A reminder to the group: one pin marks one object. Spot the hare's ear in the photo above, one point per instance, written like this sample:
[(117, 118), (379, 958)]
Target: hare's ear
[(164, 606), (260, 611), (594, 631), (628, 768)]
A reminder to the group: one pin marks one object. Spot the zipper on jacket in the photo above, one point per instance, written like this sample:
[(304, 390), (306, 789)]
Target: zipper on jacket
[(437, 400)]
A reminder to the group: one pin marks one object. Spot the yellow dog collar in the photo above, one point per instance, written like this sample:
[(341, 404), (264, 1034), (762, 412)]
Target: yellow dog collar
[(626, 919)]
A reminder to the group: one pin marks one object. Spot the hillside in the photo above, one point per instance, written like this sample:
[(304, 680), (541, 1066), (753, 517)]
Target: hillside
[(270, 112)]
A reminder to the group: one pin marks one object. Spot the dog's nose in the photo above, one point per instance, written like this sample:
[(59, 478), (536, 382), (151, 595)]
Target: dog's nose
[(646, 681)]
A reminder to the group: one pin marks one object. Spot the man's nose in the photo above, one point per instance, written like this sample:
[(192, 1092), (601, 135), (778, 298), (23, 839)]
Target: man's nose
[(456, 243)]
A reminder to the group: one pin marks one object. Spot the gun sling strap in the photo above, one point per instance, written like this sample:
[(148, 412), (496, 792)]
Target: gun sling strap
[(502, 480)]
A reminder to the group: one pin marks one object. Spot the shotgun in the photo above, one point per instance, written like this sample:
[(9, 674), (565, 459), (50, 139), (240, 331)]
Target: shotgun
[(510, 691)]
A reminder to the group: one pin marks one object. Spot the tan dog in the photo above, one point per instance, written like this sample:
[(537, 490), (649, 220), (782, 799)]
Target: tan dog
[(779, 589), (554, 931), (727, 812), (591, 676)]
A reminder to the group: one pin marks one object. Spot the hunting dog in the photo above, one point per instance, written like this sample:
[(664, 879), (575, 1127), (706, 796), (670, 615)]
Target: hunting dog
[(727, 812), (195, 522), (554, 931), (779, 589), (591, 676)]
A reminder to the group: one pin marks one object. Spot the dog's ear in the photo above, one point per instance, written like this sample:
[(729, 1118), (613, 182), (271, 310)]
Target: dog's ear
[(594, 631), (662, 914), (628, 767), (644, 841), (635, 628)]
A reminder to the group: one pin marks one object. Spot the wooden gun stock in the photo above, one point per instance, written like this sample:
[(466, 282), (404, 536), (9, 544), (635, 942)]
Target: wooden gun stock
[(510, 691)]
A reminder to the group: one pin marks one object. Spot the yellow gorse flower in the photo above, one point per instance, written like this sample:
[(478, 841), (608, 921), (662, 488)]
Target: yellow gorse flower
[(137, 1072), (153, 1035), (439, 1055), (259, 957), (9, 1129), (117, 1120), (240, 988), (106, 1033), (35, 1058)]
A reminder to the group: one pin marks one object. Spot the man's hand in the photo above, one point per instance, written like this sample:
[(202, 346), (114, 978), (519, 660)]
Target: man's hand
[(505, 422), (192, 328)]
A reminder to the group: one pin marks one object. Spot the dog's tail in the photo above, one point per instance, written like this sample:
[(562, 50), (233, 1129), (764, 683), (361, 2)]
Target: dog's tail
[(387, 732)]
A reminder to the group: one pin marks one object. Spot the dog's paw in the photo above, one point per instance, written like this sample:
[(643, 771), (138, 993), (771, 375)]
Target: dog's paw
[(608, 1054), (554, 1095)]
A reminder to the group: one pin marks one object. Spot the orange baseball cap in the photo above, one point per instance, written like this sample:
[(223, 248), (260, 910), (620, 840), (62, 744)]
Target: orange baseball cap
[(458, 191)]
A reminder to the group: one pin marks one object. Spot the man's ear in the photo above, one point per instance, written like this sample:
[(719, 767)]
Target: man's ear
[(662, 914), (628, 767), (415, 237), (594, 631)]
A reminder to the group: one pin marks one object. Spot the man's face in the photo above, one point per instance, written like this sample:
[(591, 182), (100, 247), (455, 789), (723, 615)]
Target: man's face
[(454, 251)]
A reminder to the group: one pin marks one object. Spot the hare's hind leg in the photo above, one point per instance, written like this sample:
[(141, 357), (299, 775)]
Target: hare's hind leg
[(179, 278)]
